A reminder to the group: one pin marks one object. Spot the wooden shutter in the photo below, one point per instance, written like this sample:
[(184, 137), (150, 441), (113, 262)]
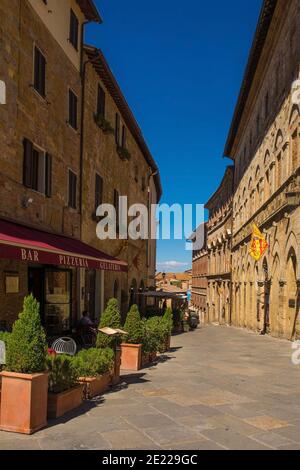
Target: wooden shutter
[(101, 102), (98, 191), (48, 165), (27, 166), (117, 130), (74, 27), (124, 137), (39, 72), (72, 190), (72, 109)]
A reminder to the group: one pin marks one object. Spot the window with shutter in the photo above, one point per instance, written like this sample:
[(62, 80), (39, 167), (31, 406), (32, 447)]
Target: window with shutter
[(98, 191), (101, 102), (39, 72), (37, 169), (117, 129), (72, 190), (124, 136), (73, 105), (74, 30)]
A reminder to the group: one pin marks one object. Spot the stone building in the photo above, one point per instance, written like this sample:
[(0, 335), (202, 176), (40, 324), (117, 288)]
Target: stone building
[(264, 143), (45, 247), (199, 277), (116, 160), (219, 235)]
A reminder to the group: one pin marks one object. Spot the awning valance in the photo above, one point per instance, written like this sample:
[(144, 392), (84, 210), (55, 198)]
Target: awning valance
[(35, 246)]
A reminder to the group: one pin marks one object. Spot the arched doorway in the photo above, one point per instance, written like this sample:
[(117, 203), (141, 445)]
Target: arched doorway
[(293, 297), (117, 292), (267, 283)]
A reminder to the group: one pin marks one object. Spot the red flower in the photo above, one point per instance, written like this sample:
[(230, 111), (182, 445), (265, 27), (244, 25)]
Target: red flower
[(51, 352)]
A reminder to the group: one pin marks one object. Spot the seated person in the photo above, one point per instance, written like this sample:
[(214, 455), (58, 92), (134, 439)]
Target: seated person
[(85, 320)]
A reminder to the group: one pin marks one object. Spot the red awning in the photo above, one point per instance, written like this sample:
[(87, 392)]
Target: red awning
[(35, 246)]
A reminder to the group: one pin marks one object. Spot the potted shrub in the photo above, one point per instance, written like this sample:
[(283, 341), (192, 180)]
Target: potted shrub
[(94, 368), (155, 328), (177, 321), (25, 380), (131, 355), (150, 344), (168, 327), (64, 392), (111, 318), (4, 337)]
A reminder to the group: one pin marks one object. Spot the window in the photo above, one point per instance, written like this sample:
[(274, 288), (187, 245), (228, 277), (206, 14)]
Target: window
[(73, 104), (124, 137), (39, 72), (117, 207), (98, 191), (74, 28), (37, 169), (101, 102), (72, 190), (117, 129)]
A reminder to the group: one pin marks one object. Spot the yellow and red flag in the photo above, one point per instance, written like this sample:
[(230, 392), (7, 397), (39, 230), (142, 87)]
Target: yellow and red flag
[(258, 245)]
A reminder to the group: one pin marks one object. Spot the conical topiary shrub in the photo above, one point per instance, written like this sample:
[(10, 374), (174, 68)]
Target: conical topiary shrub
[(27, 346), (134, 327), (111, 318)]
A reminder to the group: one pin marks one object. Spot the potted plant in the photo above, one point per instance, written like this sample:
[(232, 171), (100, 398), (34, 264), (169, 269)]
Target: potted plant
[(177, 321), (111, 318), (123, 153), (168, 324), (150, 344), (94, 368), (4, 337), (104, 124), (25, 379), (131, 351), (65, 394)]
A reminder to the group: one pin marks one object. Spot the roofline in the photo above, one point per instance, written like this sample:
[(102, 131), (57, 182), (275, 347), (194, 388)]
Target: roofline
[(101, 66), (229, 169), (90, 10), (263, 27)]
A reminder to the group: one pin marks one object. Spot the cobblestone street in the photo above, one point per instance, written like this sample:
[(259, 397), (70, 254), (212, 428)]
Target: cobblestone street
[(219, 388)]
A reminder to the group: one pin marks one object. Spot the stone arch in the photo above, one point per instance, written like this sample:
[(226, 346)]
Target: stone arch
[(294, 114), (293, 245), (133, 292), (279, 140), (267, 159), (293, 297)]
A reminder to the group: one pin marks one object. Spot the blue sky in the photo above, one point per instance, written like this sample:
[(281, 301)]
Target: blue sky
[(180, 66)]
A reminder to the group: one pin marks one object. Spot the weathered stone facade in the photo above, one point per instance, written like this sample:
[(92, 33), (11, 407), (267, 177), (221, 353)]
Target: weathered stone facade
[(219, 234), (129, 177), (199, 278), (264, 143), (44, 121)]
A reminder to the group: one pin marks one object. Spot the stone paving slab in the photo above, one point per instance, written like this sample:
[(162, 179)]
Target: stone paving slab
[(217, 389)]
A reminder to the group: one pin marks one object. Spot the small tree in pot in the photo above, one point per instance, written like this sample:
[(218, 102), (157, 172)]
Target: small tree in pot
[(110, 318), (25, 380), (131, 358)]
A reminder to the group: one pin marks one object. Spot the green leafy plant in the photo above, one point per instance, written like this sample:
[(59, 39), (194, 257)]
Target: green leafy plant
[(178, 316), (93, 362), (26, 351), (150, 339), (62, 374), (123, 153), (111, 318), (4, 336), (157, 328), (134, 327), (168, 321), (104, 124)]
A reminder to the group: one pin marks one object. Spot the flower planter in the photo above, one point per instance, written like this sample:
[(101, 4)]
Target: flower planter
[(23, 402), (95, 386), (61, 403), (116, 372), (131, 357)]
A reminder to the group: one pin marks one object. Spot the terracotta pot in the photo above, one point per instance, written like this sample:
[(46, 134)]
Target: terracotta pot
[(24, 402), (95, 386), (116, 372), (61, 403), (131, 357)]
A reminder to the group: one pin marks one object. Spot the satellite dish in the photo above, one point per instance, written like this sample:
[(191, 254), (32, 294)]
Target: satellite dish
[(2, 92)]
